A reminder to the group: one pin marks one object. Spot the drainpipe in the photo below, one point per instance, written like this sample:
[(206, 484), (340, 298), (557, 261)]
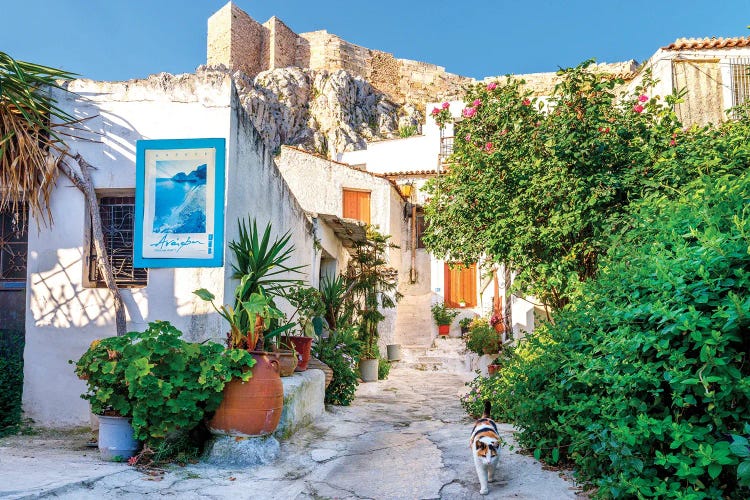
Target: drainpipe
[(315, 275), (413, 272)]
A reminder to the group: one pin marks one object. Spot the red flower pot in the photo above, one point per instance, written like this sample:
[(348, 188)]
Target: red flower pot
[(444, 330), (302, 345)]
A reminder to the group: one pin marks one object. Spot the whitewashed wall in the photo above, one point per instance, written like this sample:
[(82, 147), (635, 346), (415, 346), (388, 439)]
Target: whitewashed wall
[(65, 316)]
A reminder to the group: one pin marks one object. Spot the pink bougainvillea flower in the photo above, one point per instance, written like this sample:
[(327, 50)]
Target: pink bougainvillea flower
[(672, 142), (435, 111), (643, 98), (446, 105), (491, 86), (467, 138), (469, 112), (488, 147), (476, 103), (526, 102), (638, 108)]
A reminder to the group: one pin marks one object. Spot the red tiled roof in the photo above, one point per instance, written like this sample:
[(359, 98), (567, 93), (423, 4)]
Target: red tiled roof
[(411, 172), (708, 43)]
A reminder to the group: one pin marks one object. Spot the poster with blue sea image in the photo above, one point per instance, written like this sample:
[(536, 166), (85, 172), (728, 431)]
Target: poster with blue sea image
[(180, 197), (179, 202)]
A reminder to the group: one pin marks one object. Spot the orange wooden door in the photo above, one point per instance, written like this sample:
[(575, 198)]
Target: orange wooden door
[(357, 205), (461, 284)]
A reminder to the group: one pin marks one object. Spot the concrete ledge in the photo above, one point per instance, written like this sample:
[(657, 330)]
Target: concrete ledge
[(304, 393)]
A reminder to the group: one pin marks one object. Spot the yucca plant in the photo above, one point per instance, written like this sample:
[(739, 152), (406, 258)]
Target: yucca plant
[(334, 292), (261, 264)]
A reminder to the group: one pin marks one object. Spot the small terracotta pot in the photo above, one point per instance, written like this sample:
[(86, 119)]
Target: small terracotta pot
[(493, 369), (444, 330), (302, 345), (252, 408), (287, 362)]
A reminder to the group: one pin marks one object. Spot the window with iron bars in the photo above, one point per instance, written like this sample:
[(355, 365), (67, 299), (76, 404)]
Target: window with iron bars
[(118, 216), (739, 83), (13, 247), (446, 148)]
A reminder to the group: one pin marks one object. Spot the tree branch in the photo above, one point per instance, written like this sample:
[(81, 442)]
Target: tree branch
[(84, 183)]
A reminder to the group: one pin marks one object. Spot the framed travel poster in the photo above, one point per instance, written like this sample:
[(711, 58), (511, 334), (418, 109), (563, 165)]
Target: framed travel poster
[(179, 203)]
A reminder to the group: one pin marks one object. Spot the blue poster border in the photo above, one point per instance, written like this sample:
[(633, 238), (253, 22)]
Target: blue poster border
[(141, 146)]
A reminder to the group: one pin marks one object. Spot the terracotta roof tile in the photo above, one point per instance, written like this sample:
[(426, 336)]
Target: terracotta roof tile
[(411, 172), (708, 43)]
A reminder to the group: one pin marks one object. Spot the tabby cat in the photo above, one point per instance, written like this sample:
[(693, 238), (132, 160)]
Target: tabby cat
[(485, 447)]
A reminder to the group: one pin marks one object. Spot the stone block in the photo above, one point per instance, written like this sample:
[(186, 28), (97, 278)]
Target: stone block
[(304, 393), (229, 451)]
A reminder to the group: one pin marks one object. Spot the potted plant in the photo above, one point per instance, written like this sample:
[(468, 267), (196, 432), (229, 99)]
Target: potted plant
[(133, 381), (309, 309), (482, 338), (373, 287), (497, 322), (493, 367), (443, 317), (464, 323)]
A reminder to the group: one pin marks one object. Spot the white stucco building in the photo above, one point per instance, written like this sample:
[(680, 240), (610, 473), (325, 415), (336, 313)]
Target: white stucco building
[(67, 307)]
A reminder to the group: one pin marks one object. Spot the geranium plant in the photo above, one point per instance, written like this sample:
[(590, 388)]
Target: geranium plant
[(162, 382)]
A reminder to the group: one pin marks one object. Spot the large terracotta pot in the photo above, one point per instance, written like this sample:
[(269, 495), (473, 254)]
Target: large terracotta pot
[(252, 408), (302, 345), (444, 329)]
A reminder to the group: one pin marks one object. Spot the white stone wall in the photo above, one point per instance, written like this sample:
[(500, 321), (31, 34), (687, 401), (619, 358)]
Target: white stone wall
[(318, 184), (64, 315)]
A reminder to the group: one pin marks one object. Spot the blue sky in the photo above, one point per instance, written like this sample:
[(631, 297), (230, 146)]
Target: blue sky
[(122, 39)]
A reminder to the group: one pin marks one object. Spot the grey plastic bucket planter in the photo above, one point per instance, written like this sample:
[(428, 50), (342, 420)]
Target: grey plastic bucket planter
[(368, 370), (116, 441), (394, 352)]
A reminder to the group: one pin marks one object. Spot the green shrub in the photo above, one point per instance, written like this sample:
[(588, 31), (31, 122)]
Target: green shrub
[(384, 368), (644, 382), (340, 351), (11, 380), (482, 338), (162, 382)]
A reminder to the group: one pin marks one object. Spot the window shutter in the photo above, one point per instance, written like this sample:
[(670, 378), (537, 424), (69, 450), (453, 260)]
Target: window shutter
[(461, 283), (357, 205)]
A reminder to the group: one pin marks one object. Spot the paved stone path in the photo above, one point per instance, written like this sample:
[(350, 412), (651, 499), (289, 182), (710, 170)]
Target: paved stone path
[(406, 437)]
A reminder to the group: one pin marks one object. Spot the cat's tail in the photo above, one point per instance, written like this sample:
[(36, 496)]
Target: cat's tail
[(487, 408)]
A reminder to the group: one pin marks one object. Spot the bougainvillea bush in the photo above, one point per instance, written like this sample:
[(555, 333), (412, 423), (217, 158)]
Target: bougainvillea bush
[(644, 381), (539, 185)]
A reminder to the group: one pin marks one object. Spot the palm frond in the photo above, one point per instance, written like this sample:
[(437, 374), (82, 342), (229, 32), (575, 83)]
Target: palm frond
[(27, 135)]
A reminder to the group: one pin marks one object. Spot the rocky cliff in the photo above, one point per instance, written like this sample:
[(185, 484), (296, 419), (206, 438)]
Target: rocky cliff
[(320, 111)]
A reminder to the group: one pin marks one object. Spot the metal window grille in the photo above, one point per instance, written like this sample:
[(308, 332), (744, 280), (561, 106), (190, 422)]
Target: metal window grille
[(117, 214), (740, 82), (446, 148), (13, 246)]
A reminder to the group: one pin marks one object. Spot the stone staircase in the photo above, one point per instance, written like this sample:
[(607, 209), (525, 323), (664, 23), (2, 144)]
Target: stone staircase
[(414, 325), (445, 354)]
